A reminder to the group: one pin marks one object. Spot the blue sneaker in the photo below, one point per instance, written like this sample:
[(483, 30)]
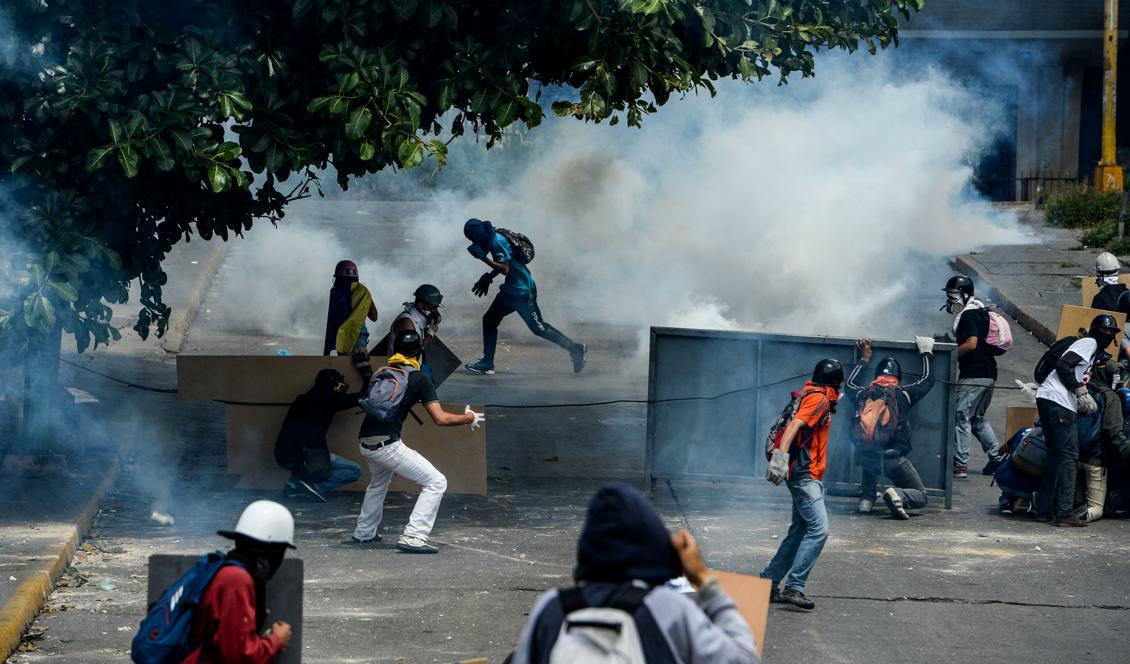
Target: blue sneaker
[(481, 367)]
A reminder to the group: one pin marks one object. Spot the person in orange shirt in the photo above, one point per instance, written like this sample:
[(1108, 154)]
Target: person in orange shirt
[(800, 461)]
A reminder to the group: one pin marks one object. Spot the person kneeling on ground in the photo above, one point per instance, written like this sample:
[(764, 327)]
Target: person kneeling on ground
[(386, 453), (232, 609), (1097, 453), (624, 556), (301, 445), (880, 428)]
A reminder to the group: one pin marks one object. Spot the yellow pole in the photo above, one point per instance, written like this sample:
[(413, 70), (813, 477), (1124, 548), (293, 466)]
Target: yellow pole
[(1108, 174)]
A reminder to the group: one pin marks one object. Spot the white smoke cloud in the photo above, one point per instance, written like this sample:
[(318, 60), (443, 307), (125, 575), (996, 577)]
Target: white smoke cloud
[(806, 209)]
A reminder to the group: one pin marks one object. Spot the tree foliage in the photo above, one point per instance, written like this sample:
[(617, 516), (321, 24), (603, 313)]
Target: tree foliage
[(127, 126)]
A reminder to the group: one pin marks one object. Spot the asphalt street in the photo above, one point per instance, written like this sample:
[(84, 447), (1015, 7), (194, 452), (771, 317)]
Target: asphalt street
[(947, 585)]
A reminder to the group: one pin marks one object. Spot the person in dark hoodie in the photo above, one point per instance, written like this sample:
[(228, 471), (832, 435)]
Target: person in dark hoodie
[(882, 453), (518, 294), (624, 544), (301, 444), (350, 304), (232, 611), (1113, 294)]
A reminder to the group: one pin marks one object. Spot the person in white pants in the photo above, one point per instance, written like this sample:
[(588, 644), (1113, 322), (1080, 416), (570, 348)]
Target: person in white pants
[(386, 453)]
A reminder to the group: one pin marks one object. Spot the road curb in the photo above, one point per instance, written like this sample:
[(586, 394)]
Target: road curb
[(18, 612), (178, 326), (969, 267)]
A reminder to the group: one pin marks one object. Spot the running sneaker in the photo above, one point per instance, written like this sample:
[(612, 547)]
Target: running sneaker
[(991, 467), (296, 488), (894, 504), (578, 355), (865, 505), (481, 367), (960, 472), (410, 544), (375, 539), (797, 599)]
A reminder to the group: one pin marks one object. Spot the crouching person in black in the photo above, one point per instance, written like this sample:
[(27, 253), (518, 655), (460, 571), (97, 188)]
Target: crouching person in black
[(880, 427), (301, 445)]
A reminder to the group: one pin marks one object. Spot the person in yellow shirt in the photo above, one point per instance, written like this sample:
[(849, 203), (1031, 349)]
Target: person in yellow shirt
[(350, 304)]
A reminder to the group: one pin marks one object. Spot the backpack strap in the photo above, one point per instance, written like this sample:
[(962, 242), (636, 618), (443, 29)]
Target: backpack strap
[(572, 599), (629, 599)]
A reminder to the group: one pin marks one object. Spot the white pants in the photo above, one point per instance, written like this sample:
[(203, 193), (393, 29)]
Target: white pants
[(411, 465)]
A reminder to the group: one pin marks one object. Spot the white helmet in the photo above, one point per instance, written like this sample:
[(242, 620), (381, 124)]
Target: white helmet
[(1106, 264), (265, 521)]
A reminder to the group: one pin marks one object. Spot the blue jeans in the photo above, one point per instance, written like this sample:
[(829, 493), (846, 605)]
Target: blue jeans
[(973, 398), (525, 306), (342, 472), (802, 546)]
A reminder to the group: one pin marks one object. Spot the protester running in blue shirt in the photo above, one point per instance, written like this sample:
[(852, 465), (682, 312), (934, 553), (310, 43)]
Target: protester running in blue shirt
[(518, 294)]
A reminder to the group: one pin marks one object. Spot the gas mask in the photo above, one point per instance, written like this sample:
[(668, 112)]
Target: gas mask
[(955, 302), (1107, 280), (340, 387)]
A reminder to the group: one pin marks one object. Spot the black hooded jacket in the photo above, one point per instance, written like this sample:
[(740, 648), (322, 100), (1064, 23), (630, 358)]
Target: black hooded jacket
[(301, 443)]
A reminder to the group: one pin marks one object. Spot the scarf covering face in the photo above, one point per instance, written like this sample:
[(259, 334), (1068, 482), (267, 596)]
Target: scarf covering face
[(1107, 280), (885, 381), (401, 360)]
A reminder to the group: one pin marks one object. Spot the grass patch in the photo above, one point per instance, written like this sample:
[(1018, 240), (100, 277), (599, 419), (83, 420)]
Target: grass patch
[(1082, 207), (1104, 236)]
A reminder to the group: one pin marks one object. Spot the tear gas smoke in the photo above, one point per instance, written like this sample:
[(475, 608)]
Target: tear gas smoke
[(808, 209)]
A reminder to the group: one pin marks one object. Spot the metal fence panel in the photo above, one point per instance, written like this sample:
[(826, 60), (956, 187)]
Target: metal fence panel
[(692, 436)]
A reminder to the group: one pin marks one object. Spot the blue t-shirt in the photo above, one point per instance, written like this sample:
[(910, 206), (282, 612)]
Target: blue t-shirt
[(518, 279)]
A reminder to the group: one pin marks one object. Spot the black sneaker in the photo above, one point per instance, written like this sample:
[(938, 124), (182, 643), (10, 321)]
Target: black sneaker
[(481, 367), (578, 355), (797, 599), (991, 467), (775, 596), (296, 488), (375, 539), (310, 490), (894, 504)]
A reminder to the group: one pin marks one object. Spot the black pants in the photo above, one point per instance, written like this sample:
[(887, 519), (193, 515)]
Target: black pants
[(902, 473), (1057, 488), (527, 307)]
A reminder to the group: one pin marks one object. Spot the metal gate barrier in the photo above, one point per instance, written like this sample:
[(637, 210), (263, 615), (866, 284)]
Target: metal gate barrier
[(713, 395)]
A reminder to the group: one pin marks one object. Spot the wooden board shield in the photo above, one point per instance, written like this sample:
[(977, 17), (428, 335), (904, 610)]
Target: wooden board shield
[(1074, 321), (1090, 288)]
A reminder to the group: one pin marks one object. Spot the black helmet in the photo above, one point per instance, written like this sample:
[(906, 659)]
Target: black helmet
[(429, 294), (889, 366), (960, 283), (1104, 322), (829, 373), (408, 344)]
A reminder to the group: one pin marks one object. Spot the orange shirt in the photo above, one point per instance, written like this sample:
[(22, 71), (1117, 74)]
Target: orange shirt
[(808, 455)]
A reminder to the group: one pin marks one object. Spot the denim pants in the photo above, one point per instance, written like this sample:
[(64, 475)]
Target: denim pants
[(973, 398), (342, 472), (1057, 488), (411, 465), (902, 473), (807, 534), (525, 306)]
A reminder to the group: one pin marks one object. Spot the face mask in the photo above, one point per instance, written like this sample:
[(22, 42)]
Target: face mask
[(955, 302), (341, 387), (1107, 280), (1103, 339)]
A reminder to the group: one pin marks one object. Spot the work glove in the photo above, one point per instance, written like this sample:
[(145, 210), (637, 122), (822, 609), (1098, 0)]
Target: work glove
[(925, 345), (482, 285), (477, 251), (479, 418), (778, 467), (1085, 402)]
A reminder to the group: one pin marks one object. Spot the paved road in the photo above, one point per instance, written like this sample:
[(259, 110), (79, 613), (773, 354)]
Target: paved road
[(946, 585)]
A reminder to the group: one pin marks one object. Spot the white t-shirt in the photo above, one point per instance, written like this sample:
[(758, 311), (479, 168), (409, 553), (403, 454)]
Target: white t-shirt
[(1053, 388)]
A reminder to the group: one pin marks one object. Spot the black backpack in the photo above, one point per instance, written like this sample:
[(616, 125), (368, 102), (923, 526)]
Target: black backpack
[(521, 248), (1046, 365)]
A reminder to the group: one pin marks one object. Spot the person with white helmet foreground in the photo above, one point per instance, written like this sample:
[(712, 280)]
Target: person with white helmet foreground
[(1113, 295), (232, 609), (393, 391)]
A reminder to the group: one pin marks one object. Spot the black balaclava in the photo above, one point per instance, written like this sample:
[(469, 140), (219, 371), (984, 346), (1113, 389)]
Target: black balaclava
[(623, 539), (261, 560)]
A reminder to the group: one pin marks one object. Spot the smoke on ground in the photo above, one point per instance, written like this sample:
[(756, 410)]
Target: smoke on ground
[(811, 209)]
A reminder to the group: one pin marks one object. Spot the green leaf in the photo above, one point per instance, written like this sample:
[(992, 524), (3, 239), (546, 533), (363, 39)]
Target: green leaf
[(128, 158), (39, 313), (239, 99), (97, 157), (410, 153), (367, 150), (300, 9), (507, 112), (444, 97), (182, 140), (276, 154), (358, 122), (317, 103), (115, 131), (218, 177), (64, 290)]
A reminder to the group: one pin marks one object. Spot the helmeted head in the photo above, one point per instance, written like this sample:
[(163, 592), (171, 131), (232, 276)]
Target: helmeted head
[(624, 539), (429, 297), (479, 232), (1107, 265), (1104, 328), (959, 290), (346, 269), (829, 373), (888, 366), (264, 522), (407, 343)]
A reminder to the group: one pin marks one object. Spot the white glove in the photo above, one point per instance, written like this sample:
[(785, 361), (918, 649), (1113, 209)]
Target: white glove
[(479, 418), (1086, 402), (778, 467), (925, 345)]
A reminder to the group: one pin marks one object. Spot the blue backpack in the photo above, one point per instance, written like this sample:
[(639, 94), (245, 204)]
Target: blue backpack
[(164, 634)]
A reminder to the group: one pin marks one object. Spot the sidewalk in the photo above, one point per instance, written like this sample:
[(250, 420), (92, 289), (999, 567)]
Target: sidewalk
[(1031, 282), (43, 520)]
